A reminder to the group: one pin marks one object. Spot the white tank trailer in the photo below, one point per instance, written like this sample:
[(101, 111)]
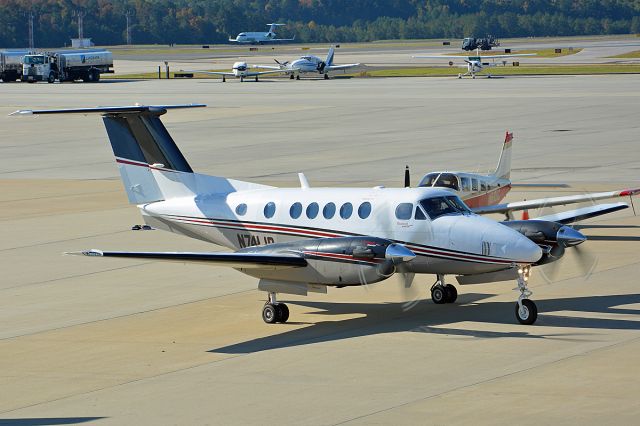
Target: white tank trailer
[(11, 64), (67, 66)]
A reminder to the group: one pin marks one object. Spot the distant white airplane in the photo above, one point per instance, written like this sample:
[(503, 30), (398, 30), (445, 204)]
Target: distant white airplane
[(475, 64), (309, 64), (260, 37), (240, 70), (301, 240)]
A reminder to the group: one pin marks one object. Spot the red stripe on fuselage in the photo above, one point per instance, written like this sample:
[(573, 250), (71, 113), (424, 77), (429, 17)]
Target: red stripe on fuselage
[(489, 198)]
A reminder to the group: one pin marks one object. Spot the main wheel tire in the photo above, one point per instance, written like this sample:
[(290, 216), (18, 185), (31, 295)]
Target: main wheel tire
[(52, 77), (439, 295), (451, 292), (283, 312), (528, 314), (96, 76), (297, 77), (269, 313), (326, 76)]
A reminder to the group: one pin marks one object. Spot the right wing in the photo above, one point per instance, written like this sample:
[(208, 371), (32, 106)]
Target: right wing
[(233, 260), (554, 201)]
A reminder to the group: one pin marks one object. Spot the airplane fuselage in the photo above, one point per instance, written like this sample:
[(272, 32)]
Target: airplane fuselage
[(456, 242), (307, 64)]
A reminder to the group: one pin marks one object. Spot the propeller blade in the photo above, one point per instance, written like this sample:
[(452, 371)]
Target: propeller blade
[(587, 261)]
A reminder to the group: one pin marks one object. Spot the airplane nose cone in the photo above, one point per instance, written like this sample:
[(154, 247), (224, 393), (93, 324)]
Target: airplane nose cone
[(568, 237), (525, 250)]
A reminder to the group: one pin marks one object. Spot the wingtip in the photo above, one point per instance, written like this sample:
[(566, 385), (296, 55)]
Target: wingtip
[(22, 112), (92, 252)]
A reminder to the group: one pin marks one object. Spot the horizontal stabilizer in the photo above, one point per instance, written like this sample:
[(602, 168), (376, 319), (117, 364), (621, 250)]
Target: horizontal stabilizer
[(233, 260), (108, 109)]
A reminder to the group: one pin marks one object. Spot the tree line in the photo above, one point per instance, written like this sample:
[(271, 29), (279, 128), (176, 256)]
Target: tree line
[(213, 21)]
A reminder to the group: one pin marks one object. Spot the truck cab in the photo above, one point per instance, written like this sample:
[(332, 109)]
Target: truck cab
[(37, 68)]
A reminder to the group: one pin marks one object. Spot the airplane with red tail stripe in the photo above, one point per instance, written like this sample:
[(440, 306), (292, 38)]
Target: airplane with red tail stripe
[(482, 193), (306, 239)]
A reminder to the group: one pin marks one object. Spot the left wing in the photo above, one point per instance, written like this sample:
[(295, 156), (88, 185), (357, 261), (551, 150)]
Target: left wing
[(554, 201), (233, 260), (229, 74), (341, 67)]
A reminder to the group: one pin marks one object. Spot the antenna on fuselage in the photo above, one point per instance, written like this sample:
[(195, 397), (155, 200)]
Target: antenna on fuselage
[(407, 177)]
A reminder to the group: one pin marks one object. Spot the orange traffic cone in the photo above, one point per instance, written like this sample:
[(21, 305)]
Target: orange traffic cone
[(525, 214)]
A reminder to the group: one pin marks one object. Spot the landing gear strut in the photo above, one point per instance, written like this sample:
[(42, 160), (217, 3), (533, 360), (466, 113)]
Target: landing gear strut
[(443, 293), (526, 310), (274, 312)]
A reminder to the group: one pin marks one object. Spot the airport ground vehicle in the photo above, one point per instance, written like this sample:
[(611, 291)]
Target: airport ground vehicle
[(486, 43), (67, 66), (11, 64)]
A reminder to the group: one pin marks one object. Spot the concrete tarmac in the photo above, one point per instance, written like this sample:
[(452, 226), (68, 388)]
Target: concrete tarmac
[(135, 342)]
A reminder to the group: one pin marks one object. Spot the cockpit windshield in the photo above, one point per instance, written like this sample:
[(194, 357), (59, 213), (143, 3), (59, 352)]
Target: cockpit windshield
[(35, 60), (443, 180), (439, 206)]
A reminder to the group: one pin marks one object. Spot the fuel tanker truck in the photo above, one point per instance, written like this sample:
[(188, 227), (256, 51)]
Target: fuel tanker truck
[(67, 66), (11, 64)]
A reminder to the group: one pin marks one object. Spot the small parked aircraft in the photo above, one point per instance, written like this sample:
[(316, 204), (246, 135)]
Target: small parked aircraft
[(482, 193), (477, 63), (240, 70), (300, 240), (261, 37), (309, 64)]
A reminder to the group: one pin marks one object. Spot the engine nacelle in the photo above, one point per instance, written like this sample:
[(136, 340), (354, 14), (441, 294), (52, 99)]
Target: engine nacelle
[(553, 237), (345, 261)]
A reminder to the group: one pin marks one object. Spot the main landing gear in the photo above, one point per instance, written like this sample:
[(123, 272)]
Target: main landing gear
[(526, 310), (443, 293), (273, 311)]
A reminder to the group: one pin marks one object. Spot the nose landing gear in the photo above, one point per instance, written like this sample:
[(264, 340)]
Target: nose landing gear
[(526, 310)]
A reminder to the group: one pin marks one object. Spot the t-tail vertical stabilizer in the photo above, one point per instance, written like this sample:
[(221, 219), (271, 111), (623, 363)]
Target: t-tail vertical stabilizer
[(150, 163)]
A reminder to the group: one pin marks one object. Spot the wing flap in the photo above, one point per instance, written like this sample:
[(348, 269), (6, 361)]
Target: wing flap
[(233, 260)]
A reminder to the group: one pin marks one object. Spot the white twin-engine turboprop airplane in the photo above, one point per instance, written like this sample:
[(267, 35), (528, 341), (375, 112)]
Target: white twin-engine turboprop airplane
[(239, 70), (475, 64), (309, 64), (482, 193), (300, 240)]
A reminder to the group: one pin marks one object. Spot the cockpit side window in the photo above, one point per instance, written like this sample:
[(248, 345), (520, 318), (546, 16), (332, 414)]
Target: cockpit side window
[(404, 211), (466, 183), (439, 206)]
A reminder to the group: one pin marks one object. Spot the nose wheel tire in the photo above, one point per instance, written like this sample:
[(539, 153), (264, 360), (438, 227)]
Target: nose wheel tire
[(526, 314), (272, 314)]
